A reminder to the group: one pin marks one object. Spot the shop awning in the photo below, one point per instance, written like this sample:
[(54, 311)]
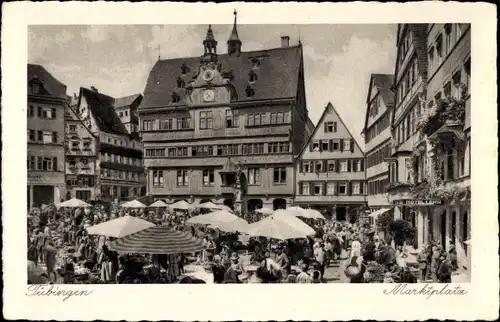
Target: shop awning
[(379, 212)]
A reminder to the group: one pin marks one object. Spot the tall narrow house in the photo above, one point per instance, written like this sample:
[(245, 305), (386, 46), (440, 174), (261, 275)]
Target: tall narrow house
[(410, 80), (47, 102), (119, 169), (331, 169), (377, 136), (224, 126)]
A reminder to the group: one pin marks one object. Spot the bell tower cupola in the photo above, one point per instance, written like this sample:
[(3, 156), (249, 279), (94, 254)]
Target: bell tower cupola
[(234, 42), (210, 45)]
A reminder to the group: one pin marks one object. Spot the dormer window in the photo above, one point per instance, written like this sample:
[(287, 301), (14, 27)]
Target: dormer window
[(252, 76), (249, 91), (35, 88), (175, 98), (184, 69), (180, 83), (255, 63)]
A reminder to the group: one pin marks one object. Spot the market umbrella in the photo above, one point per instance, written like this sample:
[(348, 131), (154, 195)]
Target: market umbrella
[(209, 205), (158, 240), (215, 218), (280, 225), (158, 204), (232, 226), (73, 203), (181, 205), (264, 211), (312, 213), (120, 227), (226, 208), (133, 204), (297, 211)]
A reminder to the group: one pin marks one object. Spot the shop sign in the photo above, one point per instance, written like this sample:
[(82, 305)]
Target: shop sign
[(419, 202)]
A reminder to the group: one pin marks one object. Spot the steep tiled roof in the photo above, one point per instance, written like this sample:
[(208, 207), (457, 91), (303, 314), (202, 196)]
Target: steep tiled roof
[(384, 83), (329, 107), (125, 101), (277, 75), (54, 87), (102, 108)]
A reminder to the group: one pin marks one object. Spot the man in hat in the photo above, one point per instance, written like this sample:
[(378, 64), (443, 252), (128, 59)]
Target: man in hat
[(282, 260), (218, 270), (435, 261), (445, 269)]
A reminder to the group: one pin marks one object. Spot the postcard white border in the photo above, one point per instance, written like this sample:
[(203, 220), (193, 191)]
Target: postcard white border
[(250, 302)]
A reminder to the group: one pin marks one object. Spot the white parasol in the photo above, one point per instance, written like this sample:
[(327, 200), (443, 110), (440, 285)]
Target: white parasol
[(181, 205), (73, 203), (280, 225), (120, 227), (264, 211), (158, 204), (209, 205), (133, 204)]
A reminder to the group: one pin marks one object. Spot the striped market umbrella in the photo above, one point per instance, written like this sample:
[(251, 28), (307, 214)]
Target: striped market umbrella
[(158, 240)]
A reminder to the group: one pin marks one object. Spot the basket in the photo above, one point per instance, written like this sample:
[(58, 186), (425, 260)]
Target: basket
[(352, 271)]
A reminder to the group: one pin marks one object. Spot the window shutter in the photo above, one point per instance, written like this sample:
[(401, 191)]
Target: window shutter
[(324, 188), (54, 164), (40, 113), (320, 146), (310, 146), (300, 187), (352, 145), (349, 165), (301, 166), (362, 164), (337, 165), (341, 145), (336, 188), (325, 166), (311, 188), (361, 188), (348, 187), (334, 126), (325, 127), (330, 145)]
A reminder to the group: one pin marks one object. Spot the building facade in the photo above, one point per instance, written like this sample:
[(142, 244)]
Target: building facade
[(410, 80), (443, 161), (80, 164), (119, 170), (377, 136), (126, 108), (46, 108), (331, 169), (225, 127)]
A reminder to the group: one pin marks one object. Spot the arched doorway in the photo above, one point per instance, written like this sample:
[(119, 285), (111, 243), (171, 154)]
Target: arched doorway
[(254, 204), (229, 202), (279, 204), (340, 213)]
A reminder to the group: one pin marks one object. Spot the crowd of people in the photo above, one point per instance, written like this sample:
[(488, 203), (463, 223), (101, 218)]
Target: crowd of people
[(59, 240)]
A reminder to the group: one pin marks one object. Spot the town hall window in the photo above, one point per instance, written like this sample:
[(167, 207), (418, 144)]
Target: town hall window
[(306, 166), (232, 119), (342, 188), (182, 178), (205, 120), (208, 177), (157, 178), (343, 166)]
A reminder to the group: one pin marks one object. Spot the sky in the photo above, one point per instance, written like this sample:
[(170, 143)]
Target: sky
[(116, 59)]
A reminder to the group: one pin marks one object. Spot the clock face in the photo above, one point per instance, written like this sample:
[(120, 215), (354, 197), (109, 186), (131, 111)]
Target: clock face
[(208, 95), (208, 75)]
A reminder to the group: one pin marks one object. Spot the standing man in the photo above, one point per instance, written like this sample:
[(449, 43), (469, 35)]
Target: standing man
[(320, 256)]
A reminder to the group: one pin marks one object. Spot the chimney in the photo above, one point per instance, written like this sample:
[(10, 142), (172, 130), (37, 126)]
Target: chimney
[(94, 89), (285, 41)]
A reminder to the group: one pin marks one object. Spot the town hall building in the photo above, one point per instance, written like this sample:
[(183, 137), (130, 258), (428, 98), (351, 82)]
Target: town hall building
[(224, 127)]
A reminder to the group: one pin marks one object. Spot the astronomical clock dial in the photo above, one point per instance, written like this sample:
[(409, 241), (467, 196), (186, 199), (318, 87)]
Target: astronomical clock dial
[(208, 95), (208, 75)]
